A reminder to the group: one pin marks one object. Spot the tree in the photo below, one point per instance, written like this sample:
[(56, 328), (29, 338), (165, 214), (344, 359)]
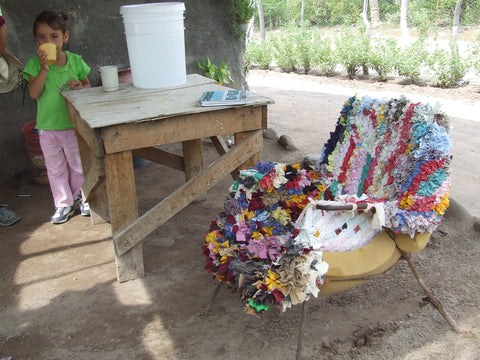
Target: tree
[(365, 18), (374, 13), (368, 33), (456, 19), (403, 20), (302, 16), (261, 19)]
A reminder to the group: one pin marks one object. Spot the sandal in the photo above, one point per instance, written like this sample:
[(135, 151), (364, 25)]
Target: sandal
[(7, 217)]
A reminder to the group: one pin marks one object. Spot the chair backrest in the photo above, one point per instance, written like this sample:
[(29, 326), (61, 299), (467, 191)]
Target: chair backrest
[(395, 151)]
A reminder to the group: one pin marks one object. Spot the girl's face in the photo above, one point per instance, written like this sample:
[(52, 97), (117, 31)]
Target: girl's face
[(45, 34)]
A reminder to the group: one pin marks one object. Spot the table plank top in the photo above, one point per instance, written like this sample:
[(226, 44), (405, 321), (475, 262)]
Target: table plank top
[(129, 104)]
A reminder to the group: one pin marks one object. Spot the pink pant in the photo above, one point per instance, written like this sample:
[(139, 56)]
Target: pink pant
[(64, 167)]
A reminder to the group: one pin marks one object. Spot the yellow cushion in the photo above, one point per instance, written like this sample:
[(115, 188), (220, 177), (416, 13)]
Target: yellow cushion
[(374, 258), (364, 261), (409, 245)]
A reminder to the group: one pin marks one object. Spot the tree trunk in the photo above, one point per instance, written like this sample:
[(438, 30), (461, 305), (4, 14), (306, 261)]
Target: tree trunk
[(302, 17), (374, 13), (403, 20), (367, 28), (365, 18), (261, 18), (456, 19)]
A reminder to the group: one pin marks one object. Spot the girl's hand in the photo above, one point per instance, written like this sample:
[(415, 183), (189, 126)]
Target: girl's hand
[(79, 84), (75, 84), (42, 54)]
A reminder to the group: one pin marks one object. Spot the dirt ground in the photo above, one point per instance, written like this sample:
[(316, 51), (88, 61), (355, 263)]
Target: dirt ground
[(59, 298)]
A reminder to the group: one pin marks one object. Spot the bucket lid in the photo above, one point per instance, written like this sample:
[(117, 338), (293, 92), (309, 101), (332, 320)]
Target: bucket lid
[(151, 9)]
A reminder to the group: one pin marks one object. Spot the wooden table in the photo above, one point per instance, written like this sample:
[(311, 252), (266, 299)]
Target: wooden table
[(112, 127)]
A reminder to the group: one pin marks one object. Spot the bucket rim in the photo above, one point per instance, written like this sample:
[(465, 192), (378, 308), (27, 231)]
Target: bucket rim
[(152, 8), (29, 127)]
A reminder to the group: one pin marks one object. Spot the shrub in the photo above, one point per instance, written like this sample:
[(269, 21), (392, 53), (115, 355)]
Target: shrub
[(383, 56), (352, 50), (304, 48), (284, 50), (412, 59), (323, 57), (448, 67), (473, 53), (258, 54)]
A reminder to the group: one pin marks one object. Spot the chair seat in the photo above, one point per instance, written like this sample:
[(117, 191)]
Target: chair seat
[(346, 268), (366, 261)]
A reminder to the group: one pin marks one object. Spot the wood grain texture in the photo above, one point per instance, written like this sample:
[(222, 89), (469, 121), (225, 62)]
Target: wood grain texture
[(135, 232)]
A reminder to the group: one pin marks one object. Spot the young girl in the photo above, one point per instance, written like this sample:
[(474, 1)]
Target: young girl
[(57, 136)]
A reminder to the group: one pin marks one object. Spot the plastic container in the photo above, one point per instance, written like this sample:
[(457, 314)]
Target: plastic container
[(156, 44), (35, 155)]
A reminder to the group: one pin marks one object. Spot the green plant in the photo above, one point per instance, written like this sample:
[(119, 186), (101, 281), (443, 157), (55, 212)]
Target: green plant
[(258, 54), (474, 55), (423, 21), (220, 74), (383, 56), (352, 51), (448, 67), (242, 11), (304, 48), (323, 57), (284, 51), (412, 59)]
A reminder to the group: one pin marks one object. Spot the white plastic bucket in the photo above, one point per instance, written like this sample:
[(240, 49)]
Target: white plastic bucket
[(156, 44)]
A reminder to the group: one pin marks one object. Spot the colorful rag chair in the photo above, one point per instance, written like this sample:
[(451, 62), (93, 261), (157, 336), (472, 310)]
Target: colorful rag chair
[(378, 191)]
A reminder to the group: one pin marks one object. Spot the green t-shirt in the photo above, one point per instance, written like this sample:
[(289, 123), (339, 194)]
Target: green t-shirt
[(51, 107)]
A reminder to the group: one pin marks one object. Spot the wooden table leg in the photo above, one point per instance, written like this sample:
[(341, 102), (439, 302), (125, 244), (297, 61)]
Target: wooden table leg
[(98, 202), (122, 200), (93, 187), (193, 160)]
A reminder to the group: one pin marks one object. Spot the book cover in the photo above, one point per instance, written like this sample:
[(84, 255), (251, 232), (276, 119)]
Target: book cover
[(226, 97)]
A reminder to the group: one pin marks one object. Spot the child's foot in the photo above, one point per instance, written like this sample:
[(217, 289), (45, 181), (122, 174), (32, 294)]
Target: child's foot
[(84, 207), (7, 217), (62, 215)]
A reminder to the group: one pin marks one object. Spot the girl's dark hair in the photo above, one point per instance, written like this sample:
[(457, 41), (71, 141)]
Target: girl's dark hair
[(56, 20)]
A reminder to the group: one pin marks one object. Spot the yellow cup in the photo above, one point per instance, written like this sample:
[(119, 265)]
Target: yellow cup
[(51, 50)]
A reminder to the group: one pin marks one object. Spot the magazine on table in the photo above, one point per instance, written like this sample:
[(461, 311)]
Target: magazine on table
[(224, 97)]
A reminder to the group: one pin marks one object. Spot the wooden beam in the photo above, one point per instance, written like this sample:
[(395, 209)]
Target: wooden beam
[(251, 161), (161, 157), (133, 234), (124, 137), (222, 149), (219, 144)]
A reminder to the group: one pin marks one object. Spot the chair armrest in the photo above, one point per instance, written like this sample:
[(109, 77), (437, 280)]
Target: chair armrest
[(342, 207)]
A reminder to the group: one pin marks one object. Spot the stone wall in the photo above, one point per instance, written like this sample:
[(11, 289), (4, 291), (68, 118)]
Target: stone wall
[(97, 33)]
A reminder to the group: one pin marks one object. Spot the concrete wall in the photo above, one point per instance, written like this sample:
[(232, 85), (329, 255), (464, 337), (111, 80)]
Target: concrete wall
[(97, 33)]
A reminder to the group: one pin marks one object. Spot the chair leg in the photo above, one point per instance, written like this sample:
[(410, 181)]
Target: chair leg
[(209, 307), (300, 332), (430, 296)]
